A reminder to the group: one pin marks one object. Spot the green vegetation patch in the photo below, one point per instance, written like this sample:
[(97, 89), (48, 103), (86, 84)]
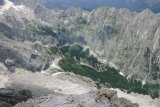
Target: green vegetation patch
[(109, 77)]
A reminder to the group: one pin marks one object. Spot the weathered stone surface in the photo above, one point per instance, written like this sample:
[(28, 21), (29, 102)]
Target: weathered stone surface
[(100, 98)]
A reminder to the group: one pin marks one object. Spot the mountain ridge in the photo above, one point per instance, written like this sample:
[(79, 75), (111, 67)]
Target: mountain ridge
[(124, 40), (133, 5), (112, 26)]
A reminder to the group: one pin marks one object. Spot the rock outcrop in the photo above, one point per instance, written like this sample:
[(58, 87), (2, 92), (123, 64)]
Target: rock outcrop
[(130, 41), (99, 98)]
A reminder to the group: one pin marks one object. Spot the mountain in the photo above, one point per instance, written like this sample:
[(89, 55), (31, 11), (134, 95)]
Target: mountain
[(133, 5), (156, 7), (1, 2), (124, 38), (75, 51), (29, 3)]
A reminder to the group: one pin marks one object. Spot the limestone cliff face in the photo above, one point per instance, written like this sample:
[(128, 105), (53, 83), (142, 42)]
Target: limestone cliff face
[(127, 39), (20, 38)]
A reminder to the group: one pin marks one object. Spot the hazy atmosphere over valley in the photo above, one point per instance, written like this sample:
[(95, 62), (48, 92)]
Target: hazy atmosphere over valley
[(79, 53)]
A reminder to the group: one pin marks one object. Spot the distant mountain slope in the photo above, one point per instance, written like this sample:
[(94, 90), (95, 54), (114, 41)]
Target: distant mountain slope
[(128, 40), (1, 2), (133, 5), (156, 7), (34, 38)]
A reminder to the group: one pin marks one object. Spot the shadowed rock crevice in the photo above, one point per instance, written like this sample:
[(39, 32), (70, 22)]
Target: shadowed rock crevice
[(6, 31)]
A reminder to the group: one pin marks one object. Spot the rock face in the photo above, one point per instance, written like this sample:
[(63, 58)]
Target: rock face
[(100, 98), (21, 37), (127, 39), (10, 97)]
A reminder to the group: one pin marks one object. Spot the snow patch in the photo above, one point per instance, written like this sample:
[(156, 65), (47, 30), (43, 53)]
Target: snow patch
[(121, 73)]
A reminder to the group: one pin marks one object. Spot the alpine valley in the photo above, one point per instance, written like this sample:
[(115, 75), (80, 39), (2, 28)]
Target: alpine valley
[(72, 57)]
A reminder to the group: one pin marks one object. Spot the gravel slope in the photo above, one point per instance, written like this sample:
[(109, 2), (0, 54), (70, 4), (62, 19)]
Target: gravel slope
[(45, 86)]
